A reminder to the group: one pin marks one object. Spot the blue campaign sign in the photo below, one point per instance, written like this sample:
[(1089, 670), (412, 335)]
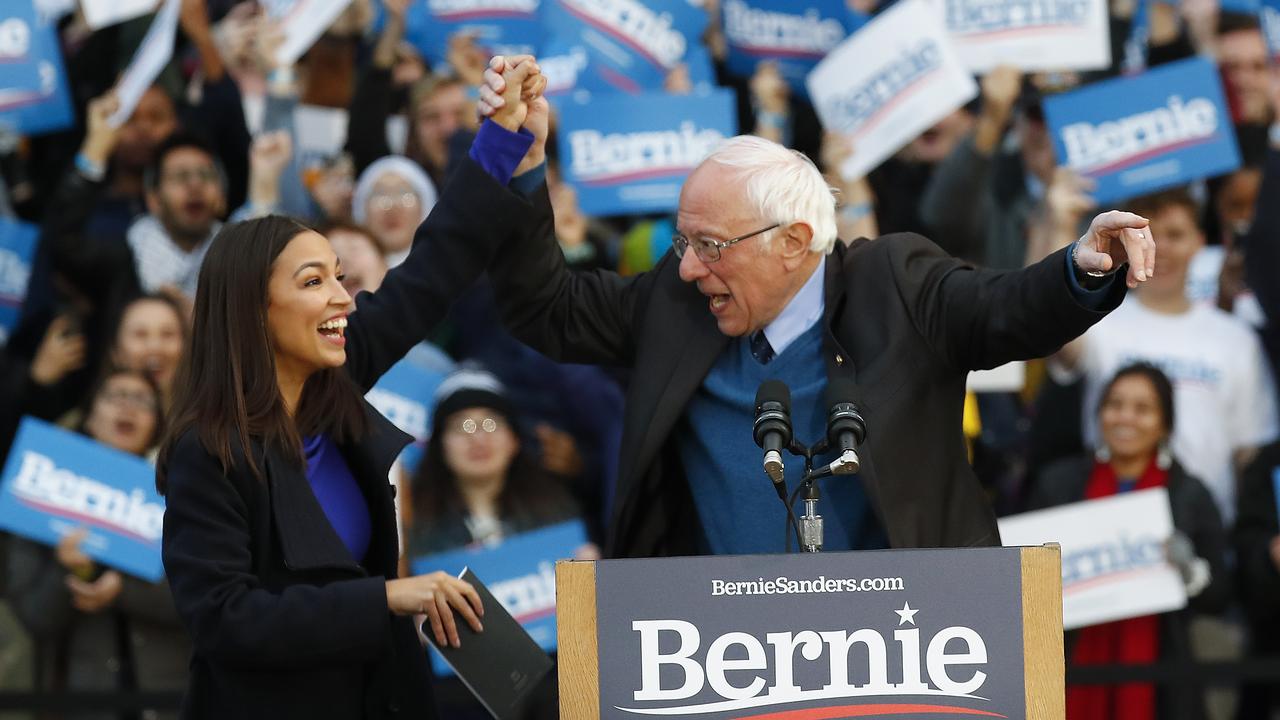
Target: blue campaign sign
[(1136, 135), (17, 250), (33, 84), (1269, 15), (795, 35), (406, 396), (520, 572), (564, 62), (634, 43), (631, 153), (56, 481), (501, 27)]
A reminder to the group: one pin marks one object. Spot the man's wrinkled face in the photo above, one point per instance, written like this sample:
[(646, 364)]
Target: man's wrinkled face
[(744, 288)]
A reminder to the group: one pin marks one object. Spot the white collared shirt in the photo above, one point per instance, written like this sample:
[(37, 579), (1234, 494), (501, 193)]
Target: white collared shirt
[(801, 312)]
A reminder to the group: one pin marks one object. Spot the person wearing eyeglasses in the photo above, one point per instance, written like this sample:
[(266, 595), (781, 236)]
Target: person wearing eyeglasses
[(96, 629), (756, 287), (392, 197), (476, 483)]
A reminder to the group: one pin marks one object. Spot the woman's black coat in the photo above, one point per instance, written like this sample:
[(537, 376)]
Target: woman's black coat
[(284, 623)]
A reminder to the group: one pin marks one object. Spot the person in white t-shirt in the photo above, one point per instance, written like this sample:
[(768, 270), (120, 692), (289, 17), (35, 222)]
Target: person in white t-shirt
[(1224, 390)]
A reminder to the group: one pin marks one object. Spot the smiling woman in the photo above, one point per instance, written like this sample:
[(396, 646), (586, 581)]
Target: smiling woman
[(98, 629), (280, 537), (1136, 415)]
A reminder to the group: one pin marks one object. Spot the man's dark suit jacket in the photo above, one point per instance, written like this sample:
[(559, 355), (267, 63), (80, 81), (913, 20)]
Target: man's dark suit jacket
[(903, 321)]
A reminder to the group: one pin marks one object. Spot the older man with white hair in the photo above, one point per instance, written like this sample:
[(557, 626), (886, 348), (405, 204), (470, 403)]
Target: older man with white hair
[(757, 287)]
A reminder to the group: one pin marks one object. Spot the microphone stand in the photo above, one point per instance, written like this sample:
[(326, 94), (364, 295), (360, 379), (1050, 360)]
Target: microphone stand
[(809, 524)]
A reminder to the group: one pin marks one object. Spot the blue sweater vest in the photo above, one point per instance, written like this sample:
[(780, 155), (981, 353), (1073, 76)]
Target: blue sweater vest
[(736, 502)]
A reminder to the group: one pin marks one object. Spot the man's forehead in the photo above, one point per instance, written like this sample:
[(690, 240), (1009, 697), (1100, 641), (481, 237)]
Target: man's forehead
[(708, 201), (188, 156)]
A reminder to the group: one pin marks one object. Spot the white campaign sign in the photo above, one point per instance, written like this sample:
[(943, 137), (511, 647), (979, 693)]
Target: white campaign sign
[(1028, 34), (303, 21), (1113, 557), (101, 13), (888, 82), (152, 55)]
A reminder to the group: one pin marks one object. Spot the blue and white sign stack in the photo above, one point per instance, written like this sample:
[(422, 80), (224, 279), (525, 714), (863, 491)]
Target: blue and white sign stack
[(1042, 35), (631, 154), (33, 84), (889, 82), (1140, 134), (17, 250), (519, 572), (794, 35), (56, 481)]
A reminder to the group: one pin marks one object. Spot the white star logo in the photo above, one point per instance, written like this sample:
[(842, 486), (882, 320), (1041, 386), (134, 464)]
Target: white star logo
[(906, 614)]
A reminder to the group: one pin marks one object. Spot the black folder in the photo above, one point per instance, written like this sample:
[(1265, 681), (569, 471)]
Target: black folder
[(501, 665)]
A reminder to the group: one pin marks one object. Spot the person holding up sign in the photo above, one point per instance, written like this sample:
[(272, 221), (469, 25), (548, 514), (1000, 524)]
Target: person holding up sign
[(756, 287), (72, 607), (1136, 415), (280, 538)]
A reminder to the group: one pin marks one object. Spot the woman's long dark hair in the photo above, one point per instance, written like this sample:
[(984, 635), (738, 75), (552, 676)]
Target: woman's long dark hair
[(226, 389), (526, 488)]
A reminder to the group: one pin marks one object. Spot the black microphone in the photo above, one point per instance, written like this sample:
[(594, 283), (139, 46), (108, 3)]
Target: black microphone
[(846, 428), (772, 429)]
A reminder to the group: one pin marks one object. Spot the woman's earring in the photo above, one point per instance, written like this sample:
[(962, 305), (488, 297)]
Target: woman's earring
[(1102, 454), (1164, 458)]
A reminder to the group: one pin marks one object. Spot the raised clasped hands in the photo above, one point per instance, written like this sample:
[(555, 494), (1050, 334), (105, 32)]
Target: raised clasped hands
[(511, 96)]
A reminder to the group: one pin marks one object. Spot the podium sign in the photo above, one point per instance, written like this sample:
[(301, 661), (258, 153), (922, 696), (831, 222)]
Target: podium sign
[(973, 632)]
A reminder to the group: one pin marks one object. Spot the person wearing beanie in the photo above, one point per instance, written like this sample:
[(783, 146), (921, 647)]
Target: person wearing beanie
[(392, 198), (477, 482)]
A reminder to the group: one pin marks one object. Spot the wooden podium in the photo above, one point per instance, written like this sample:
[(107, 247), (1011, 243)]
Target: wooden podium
[(1040, 644)]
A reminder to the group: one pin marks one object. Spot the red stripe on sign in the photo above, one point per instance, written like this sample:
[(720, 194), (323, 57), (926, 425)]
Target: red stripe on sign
[(536, 615), (764, 50), (462, 15), (635, 176), (848, 711), (612, 32), (901, 97), (86, 519), (1147, 155), (1024, 30)]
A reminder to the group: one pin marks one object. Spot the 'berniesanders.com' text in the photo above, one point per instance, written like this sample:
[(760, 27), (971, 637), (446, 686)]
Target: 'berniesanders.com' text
[(783, 585)]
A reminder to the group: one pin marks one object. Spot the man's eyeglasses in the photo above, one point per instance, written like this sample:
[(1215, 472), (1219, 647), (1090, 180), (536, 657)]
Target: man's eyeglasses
[(707, 250)]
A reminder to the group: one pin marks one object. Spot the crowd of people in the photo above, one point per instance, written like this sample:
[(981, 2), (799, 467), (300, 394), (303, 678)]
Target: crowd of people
[(1174, 389)]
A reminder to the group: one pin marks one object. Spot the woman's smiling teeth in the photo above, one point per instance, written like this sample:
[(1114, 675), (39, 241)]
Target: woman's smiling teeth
[(333, 327)]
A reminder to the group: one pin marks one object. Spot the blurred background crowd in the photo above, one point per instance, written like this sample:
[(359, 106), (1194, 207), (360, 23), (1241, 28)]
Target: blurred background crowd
[(1174, 389)]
